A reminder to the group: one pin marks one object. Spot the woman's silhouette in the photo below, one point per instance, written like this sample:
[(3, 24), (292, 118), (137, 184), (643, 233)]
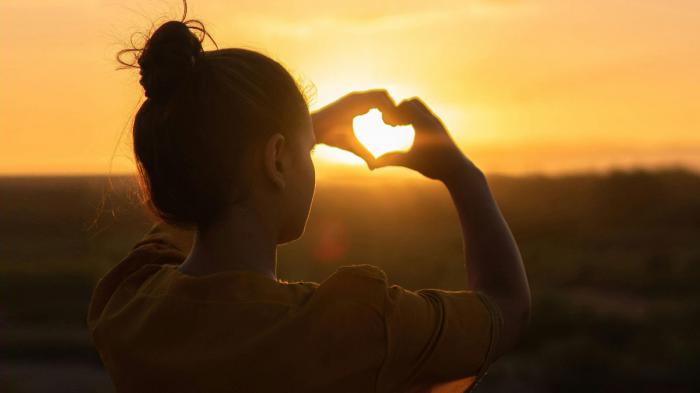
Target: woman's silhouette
[(223, 144)]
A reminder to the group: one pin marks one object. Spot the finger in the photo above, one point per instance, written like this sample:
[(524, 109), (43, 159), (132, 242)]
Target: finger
[(366, 100), (361, 151), (418, 103), (408, 112), (420, 114), (389, 159), (393, 117)]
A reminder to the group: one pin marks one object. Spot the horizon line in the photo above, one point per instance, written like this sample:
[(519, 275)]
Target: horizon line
[(407, 176)]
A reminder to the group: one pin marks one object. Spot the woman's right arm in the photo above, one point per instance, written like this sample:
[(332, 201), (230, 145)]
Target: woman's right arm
[(493, 261)]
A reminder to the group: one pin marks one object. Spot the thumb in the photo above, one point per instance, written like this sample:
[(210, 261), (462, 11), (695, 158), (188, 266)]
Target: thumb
[(390, 159), (361, 151)]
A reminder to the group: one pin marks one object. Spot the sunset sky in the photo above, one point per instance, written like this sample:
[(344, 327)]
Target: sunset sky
[(524, 86)]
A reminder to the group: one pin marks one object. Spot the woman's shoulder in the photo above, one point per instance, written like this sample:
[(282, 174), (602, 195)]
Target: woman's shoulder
[(361, 271), (347, 277), (361, 284), (160, 246)]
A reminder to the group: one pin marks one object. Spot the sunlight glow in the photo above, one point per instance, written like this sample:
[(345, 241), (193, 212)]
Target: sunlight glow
[(328, 154), (593, 93), (380, 138)]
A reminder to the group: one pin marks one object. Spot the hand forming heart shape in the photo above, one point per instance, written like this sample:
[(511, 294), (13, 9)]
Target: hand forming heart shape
[(356, 123)]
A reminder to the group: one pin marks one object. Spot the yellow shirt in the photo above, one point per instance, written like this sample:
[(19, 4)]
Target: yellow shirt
[(159, 330)]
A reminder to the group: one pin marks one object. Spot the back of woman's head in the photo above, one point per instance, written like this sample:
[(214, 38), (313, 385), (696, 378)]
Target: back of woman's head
[(204, 115)]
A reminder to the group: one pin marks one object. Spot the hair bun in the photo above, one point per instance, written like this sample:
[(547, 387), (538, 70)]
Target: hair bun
[(168, 58)]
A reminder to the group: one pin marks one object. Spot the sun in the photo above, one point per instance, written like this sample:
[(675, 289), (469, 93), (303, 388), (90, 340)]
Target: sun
[(380, 138)]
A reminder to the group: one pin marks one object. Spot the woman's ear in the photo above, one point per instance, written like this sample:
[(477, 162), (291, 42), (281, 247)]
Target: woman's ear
[(273, 157)]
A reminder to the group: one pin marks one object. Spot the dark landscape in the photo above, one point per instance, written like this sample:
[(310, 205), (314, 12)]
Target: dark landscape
[(613, 261)]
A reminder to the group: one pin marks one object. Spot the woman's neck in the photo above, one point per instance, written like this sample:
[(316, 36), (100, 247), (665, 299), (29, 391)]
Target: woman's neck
[(240, 241)]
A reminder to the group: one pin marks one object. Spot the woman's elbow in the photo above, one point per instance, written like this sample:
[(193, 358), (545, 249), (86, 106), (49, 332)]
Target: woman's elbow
[(516, 314)]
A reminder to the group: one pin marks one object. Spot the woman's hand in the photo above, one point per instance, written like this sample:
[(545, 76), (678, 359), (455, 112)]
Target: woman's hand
[(333, 123), (434, 153)]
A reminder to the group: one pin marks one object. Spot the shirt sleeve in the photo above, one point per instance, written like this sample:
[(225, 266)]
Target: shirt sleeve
[(437, 340), (162, 244)]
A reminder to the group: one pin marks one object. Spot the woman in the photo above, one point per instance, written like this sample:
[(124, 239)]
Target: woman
[(223, 146)]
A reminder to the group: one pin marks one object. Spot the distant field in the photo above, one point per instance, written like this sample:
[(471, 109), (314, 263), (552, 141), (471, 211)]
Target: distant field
[(613, 260)]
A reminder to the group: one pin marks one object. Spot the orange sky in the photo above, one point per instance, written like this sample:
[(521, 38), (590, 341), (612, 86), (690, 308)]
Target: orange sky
[(524, 86)]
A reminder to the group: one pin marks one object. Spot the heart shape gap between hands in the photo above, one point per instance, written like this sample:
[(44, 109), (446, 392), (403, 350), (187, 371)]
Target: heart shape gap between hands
[(380, 138)]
